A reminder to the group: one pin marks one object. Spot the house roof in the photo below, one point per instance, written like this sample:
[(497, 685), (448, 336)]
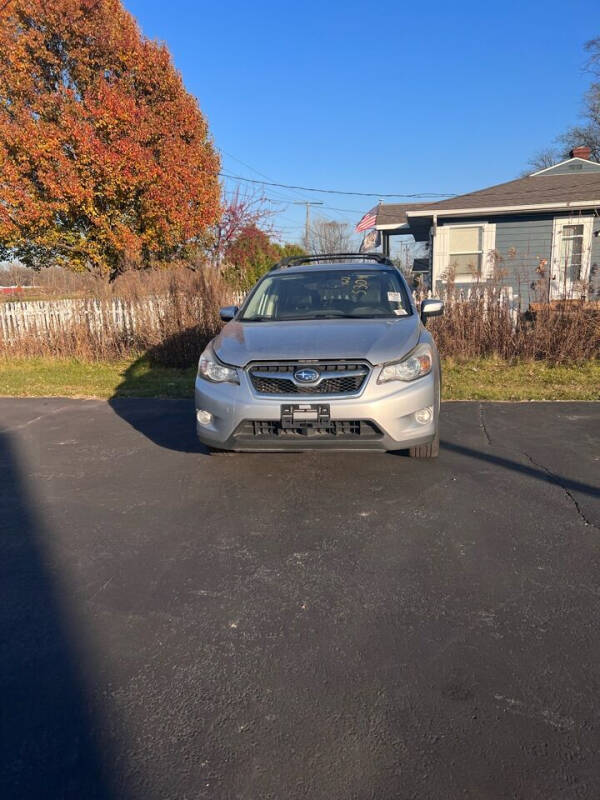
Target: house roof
[(395, 213), (580, 189)]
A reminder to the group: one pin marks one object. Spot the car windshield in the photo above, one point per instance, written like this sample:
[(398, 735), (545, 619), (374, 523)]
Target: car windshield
[(328, 294)]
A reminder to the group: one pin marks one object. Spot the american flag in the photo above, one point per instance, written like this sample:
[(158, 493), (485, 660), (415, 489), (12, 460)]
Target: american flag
[(368, 221)]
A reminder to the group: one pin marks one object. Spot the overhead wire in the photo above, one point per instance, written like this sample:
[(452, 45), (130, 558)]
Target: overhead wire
[(334, 191), (274, 196)]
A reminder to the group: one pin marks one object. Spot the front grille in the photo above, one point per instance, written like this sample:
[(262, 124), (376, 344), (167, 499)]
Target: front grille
[(335, 429), (328, 386), (340, 377)]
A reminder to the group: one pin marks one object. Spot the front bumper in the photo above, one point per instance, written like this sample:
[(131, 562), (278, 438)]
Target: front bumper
[(390, 407)]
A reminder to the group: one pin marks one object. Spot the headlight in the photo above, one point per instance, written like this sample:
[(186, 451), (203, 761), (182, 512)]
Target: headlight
[(413, 367), (211, 369)]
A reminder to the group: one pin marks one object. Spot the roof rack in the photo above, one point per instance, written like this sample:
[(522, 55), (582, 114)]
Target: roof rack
[(326, 258)]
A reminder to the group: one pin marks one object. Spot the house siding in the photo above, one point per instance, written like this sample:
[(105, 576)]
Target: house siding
[(521, 243), (572, 167)]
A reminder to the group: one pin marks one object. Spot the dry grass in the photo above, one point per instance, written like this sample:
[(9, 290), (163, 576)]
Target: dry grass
[(168, 314), (485, 326)]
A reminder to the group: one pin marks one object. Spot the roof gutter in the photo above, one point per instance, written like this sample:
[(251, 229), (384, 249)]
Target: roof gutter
[(504, 209), (394, 227)]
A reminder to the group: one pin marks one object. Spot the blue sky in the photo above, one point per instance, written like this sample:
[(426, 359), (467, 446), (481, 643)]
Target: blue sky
[(417, 97)]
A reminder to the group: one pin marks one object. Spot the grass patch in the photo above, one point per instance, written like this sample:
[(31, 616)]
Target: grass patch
[(481, 379), (492, 379), (69, 377)]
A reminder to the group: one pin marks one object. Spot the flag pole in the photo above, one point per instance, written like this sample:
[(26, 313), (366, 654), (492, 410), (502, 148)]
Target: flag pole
[(385, 237)]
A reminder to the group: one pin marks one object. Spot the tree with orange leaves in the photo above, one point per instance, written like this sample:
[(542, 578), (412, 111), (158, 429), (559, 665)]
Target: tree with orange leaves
[(106, 162)]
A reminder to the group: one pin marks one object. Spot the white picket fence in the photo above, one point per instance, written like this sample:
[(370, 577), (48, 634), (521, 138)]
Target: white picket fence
[(505, 297), (40, 317)]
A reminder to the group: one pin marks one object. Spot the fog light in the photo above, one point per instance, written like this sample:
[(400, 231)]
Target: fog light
[(424, 415), (204, 417)]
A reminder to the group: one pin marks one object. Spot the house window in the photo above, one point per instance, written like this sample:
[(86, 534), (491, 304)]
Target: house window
[(571, 256), (463, 249), (466, 250), (571, 251)]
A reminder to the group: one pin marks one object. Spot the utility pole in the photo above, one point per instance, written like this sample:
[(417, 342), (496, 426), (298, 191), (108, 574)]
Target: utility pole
[(308, 204)]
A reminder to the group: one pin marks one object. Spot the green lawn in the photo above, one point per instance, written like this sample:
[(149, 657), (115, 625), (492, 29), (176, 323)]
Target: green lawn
[(488, 379), (474, 380), (46, 377)]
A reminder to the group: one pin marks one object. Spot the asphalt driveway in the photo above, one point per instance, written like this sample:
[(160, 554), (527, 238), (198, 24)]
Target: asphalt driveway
[(323, 626)]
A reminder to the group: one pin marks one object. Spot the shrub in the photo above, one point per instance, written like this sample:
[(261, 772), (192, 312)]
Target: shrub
[(485, 324), (173, 313)]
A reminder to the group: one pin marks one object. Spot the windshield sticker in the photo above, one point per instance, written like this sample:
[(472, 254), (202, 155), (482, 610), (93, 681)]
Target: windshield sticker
[(360, 284), (401, 312), (394, 297)]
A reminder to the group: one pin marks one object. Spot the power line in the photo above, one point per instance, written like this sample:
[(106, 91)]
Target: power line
[(253, 169), (289, 193), (325, 191), (350, 214), (293, 190), (332, 191), (346, 210), (277, 196)]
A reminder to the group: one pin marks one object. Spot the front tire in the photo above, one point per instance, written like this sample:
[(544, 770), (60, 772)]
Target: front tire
[(431, 450)]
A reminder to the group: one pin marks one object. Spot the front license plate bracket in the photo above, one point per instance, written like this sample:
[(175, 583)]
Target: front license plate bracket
[(298, 415)]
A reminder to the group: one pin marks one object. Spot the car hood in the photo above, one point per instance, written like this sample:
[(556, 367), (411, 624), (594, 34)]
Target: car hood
[(376, 341)]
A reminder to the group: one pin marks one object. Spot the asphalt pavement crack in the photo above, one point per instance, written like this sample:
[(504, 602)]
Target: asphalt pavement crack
[(483, 426), (555, 479)]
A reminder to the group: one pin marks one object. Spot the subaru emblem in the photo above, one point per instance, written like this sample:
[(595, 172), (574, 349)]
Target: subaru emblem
[(307, 375)]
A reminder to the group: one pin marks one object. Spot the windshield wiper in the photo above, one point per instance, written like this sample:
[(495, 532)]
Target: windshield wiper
[(329, 315), (319, 315)]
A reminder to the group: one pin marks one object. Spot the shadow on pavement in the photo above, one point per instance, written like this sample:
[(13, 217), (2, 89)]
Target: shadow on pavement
[(160, 411), (158, 401), (534, 472), (47, 743), (168, 423)]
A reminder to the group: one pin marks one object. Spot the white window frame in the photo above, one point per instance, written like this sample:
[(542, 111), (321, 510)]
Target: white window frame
[(558, 288), (441, 252)]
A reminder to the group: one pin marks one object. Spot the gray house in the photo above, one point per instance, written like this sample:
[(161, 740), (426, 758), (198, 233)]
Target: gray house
[(539, 235)]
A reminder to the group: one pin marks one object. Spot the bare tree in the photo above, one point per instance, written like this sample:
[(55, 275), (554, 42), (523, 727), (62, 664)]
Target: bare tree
[(588, 132), (327, 236), (544, 158), (240, 212)]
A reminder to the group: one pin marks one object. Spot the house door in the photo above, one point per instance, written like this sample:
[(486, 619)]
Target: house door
[(571, 257)]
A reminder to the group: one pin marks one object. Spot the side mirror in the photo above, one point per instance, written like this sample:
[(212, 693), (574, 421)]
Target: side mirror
[(431, 308), (228, 313)]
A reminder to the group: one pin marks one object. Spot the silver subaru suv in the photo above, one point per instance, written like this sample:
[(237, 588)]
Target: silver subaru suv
[(326, 352)]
